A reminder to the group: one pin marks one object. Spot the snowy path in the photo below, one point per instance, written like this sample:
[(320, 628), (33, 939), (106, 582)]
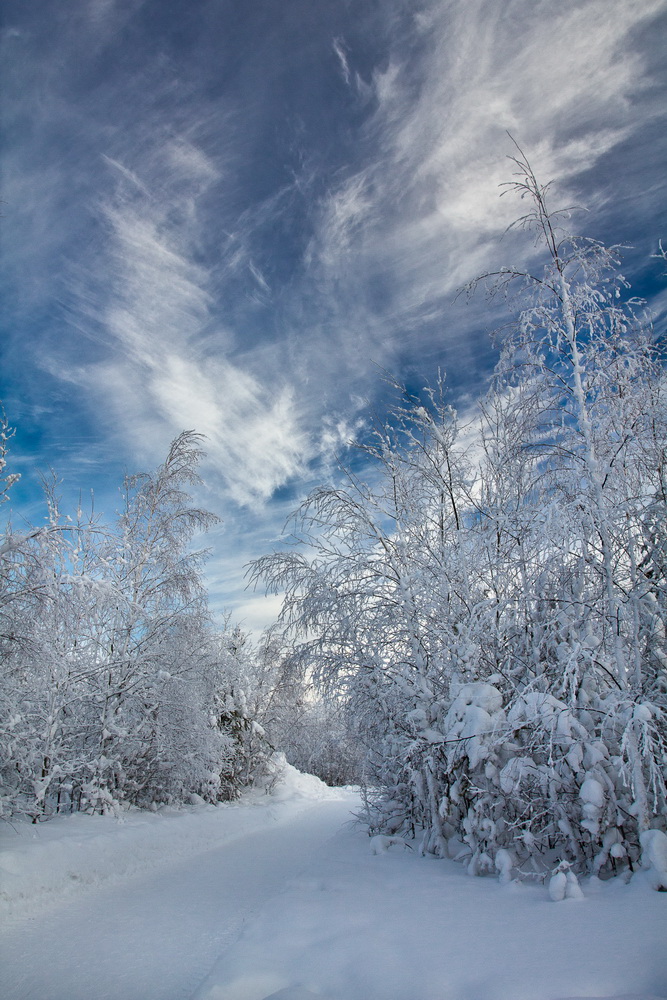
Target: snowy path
[(296, 901), (401, 927), (156, 936)]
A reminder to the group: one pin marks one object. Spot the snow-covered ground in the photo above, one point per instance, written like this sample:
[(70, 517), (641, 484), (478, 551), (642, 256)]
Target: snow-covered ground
[(281, 895)]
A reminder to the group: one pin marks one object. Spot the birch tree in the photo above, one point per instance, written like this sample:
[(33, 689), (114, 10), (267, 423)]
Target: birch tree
[(117, 689), (496, 618)]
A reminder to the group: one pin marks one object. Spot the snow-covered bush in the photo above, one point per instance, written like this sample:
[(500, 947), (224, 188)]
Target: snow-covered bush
[(494, 612), (115, 686)]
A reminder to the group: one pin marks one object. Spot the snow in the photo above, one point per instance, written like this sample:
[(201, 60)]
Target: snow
[(279, 896), (504, 863), (558, 886), (654, 857), (592, 792), (564, 884), (381, 844), (40, 865)]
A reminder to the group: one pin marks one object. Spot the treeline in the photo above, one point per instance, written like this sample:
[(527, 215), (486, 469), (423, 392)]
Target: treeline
[(116, 686), (491, 601)]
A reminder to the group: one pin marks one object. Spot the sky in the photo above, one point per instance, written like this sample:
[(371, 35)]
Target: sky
[(234, 216)]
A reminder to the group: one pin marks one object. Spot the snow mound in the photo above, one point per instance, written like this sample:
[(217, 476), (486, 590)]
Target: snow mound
[(285, 782), (381, 844), (654, 857), (564, 884)]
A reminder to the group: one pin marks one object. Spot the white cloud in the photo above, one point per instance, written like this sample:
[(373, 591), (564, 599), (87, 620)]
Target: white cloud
[(254, 441), (127, 174), (228, 264), (168, 369), (338, 47), (256, 613), (423, 205), (190, 162)]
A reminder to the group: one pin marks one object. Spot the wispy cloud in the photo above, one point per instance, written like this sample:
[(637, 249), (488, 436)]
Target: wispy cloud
[(423, 205), (232, 227), (338, 47), (161, 374)]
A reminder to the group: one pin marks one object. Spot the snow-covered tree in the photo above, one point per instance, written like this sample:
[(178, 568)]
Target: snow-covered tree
[(494, 614), (116, 687)]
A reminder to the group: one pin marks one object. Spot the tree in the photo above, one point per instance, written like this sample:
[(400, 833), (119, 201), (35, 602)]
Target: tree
[(116, 685), (495, 616), (7, 480), (580, 380)]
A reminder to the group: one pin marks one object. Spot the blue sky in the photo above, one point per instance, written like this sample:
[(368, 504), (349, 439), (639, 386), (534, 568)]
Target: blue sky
[(228, 216)]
